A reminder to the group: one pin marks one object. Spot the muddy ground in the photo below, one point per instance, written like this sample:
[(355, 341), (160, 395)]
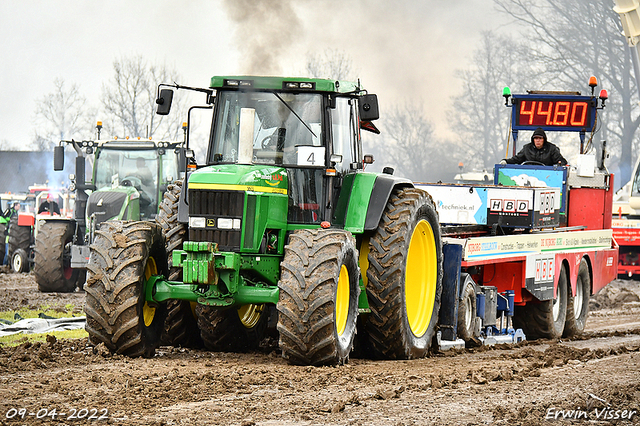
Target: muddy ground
[(591, 380)]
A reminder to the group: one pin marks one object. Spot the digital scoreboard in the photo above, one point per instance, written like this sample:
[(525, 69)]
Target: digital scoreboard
[(553, 112)]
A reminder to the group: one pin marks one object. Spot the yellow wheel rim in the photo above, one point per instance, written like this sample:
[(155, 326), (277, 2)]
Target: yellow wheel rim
[(250, 314), (421, 277), (364, 260), (342, 300), (149, 312)]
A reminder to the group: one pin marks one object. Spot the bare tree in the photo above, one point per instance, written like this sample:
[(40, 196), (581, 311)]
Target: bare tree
[(479, 115), (129, 100), (333, 64), (575, 39), (409, 145), (62, 114)]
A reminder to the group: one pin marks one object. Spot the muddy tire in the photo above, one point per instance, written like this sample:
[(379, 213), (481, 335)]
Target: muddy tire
[(52, 266), (123, 257), (19, 261), (319, 290), (405, 277), (232, 330), (3, 237), (578, 304), (467, 309), (19, 236), (544, 319), (180, 326)]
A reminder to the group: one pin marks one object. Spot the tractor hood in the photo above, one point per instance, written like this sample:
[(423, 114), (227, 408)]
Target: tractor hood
[(236, 177), (111, 203)]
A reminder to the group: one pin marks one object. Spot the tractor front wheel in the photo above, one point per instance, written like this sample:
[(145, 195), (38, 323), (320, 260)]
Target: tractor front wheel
[(124, 255), (234, 330), (405, 276), (20, 261), (319, 290), (180, 326)]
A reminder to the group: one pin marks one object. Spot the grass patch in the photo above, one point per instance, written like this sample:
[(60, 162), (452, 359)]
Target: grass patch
[(68, 311), (19, 338)]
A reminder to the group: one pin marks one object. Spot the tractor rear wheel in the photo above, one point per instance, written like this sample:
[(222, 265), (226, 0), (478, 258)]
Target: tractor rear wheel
[(52, 266), (180, 326), (547, 318), (405, 276), (234, 330), (319, 290), (19, 237), (578, 304), (124, 255)]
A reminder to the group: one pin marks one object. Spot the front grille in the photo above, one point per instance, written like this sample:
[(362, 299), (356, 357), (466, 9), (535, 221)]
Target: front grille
[(105, 205), (215, 204)]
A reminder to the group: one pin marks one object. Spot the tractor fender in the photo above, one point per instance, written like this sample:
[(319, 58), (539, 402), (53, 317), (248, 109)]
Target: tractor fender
[(382, 189)]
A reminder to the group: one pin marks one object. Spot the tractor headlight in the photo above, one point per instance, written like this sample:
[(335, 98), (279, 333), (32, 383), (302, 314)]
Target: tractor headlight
[(228, 223), (197, 222), (225, 223)]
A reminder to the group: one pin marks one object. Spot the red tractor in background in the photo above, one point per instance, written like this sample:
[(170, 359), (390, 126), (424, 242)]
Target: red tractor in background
[(42, 201)]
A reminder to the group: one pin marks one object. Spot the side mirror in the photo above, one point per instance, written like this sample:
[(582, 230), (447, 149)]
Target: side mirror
[(58, 158), (368, 105), (164, 101)]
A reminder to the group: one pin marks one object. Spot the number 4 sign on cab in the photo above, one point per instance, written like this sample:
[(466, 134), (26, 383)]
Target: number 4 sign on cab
[(310, 155)]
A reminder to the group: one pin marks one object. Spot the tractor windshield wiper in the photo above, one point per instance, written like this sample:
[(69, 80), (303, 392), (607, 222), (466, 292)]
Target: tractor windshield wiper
[(295, 113)]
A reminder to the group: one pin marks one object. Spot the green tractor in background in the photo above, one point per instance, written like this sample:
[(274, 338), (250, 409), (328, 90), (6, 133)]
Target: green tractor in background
[(281, 232), (128, 180)]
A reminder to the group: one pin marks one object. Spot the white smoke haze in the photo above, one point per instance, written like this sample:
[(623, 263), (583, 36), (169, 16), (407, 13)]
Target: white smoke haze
[(403, 50)]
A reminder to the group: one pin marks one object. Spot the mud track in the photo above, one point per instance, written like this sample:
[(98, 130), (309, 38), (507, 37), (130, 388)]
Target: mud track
[(597, 374)]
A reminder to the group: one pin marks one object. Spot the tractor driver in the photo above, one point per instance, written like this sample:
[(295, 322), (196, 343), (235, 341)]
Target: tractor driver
[(539, 150), (147, 190), (143, 172), (50, 205)]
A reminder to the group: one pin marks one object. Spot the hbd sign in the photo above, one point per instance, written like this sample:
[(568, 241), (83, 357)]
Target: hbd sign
[(509, 206)]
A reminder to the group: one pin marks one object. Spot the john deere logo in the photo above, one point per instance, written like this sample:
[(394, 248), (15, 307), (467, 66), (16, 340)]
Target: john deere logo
[(274, 179), (211, 223)]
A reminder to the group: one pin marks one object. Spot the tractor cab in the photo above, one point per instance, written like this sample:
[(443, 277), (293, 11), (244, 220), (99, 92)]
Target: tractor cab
[(297, 137), (133, 170)]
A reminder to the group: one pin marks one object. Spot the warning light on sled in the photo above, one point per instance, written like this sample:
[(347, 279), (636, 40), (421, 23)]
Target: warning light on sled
[(506, 93)]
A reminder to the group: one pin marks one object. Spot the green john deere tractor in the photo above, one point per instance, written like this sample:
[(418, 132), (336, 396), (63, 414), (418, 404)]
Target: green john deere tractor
[(281, 232), (129, 178)]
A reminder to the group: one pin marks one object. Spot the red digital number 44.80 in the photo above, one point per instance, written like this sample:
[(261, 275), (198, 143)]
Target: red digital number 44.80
[(553, 113)]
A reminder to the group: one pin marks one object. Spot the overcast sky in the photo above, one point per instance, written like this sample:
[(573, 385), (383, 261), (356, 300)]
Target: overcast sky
[(403, 49)]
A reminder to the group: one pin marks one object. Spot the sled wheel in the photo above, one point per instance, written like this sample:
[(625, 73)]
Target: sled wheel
[(578, 304), (544, 319), (467, 309)]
